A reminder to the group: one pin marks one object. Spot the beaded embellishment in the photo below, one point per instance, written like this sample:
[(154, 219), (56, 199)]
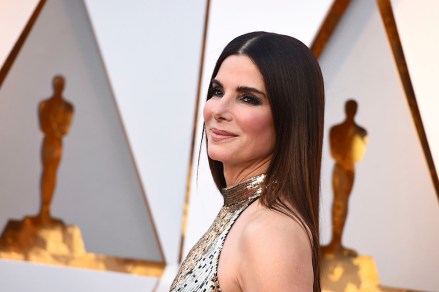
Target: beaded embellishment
[(199, 271)]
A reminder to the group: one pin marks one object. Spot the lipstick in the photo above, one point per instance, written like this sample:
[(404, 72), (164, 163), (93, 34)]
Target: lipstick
[(218, 135)]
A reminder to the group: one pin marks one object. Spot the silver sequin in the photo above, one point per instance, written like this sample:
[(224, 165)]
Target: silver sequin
[(199, 271)]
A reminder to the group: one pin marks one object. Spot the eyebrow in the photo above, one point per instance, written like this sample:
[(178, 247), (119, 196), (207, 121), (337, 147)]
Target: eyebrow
[(241, 88)]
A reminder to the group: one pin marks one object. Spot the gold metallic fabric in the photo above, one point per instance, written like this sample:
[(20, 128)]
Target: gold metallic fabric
[(199, 271)]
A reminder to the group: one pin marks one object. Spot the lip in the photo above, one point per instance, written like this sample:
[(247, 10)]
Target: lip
[(219, 135)]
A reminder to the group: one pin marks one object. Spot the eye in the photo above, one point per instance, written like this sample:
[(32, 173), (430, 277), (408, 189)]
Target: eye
[(251, 99), (216, 91)]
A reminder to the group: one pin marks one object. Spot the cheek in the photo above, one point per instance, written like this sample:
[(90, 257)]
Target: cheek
[(267, 135), (207, 111), (267, 138), (260, 125), (260, 131)]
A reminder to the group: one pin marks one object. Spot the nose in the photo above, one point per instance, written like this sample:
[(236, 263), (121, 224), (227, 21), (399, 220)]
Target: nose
[(221, 108)]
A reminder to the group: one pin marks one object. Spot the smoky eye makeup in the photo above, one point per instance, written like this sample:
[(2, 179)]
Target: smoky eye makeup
[(251, 94), (246, 94), (215, 89), (251, 99)]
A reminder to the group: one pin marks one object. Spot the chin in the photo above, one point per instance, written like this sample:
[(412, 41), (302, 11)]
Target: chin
[(220, 156)]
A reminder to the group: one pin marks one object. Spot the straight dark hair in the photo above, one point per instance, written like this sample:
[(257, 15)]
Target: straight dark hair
[(295, 90)]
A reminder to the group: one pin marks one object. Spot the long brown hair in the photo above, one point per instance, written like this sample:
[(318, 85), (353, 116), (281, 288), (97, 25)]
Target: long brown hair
[(294, 85)]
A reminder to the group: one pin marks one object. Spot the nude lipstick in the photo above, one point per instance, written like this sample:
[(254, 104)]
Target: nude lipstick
[(218, 135)]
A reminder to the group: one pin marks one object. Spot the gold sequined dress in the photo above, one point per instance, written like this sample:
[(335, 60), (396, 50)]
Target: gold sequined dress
[(199, 271)]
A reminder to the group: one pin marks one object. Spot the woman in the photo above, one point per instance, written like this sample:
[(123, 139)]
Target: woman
[(264, 130)]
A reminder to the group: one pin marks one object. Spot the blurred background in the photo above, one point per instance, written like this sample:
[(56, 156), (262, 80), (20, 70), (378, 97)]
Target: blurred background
[(137, 74)]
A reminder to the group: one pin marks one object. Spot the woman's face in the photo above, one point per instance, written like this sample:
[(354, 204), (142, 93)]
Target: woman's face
[(238, 119)]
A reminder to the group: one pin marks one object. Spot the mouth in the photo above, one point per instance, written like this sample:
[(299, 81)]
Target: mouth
[(220, 135)]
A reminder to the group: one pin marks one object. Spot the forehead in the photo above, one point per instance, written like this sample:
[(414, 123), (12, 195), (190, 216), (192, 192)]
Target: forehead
[(239, 70)]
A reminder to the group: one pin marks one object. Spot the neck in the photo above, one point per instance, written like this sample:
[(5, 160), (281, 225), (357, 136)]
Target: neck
[(349, 118), (236, 174), (244, 191)]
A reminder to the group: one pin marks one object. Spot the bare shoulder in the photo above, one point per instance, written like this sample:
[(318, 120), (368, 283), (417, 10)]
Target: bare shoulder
[(275, 253)]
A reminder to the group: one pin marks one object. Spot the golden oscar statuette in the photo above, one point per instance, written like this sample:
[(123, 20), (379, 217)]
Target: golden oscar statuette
[(43, 238), (342, 268), (348, 143)]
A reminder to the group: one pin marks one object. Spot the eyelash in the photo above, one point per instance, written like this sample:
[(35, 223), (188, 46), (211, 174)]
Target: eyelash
[(250, 99), (216, 91), (246, 98)]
